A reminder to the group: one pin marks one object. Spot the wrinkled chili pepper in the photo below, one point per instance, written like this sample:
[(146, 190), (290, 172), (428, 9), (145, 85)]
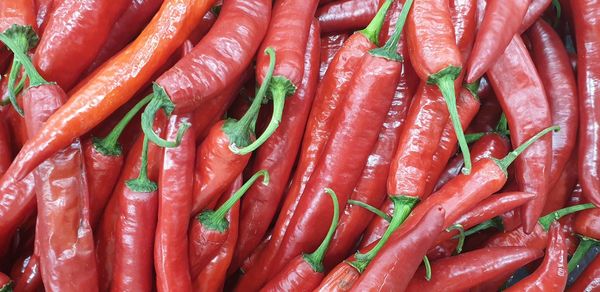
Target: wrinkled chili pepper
[(552, 274), (518, 86), (588, 280), (346, 15), (587, 226), (260, 204), (586, 15)]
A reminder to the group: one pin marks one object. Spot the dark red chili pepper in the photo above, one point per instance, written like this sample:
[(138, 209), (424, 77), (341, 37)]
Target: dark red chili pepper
[(305, 272), (489, 112), (330, 45), (260, 204), (44, 9), (588, 280), (587, 226), (518, 87), (469, 269), (30, 279), (175, 184), (552, 274), (535, 9), (558, 197), (75, 28), (360, 118), (346, 15), (17, 204), (501, 21), (330, 94), (585, 16)]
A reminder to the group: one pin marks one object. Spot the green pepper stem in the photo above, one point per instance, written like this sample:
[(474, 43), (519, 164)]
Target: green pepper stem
[(109, 145), (585, 244), (390, 49), (142, 184), (315, 259), (495, 222), (12, 91), (427, 268), (160, 101), (372, 30), (216, 219), (505, 162), (372, 209), (461, 236), (473, 137), (502, 126), (547, 220), (8, 287), (558, 8), (403, 205), (19, 39)]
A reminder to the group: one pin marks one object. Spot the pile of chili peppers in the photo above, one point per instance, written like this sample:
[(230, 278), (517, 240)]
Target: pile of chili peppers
[(299, 145)]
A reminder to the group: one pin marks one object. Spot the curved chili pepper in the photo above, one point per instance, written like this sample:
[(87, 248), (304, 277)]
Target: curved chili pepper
[(588, 280), (472, 268), (464, 20), (112, 85), (558, 197), (501, 21), (585, 16), (552, 62), (330, 94), (330, 45), (260, 204), (175, 183), (346, 15), (360, 118), (210, 229), (75, 28), (305, 272), (436, 57), (552, 274), (534, 11), (194, 79), (518, 86), (587, 226)]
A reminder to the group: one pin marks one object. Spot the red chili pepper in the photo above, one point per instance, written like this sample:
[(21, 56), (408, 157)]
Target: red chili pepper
[(175, 183), (210, 229), (346, 15), (30, 279), (5, 148), (588, 280), (489, 111), (44, 9), (518, 86), (20, 12), (558, 197), (552, 274), (376, 76), (112, 85), (585, 16), (534, 11), (469, 269), (305, 272), (587, 226), (501, 21), (6, 284), (330, 45), (17, 204), (330, 94), (464, 20), (260, 204)]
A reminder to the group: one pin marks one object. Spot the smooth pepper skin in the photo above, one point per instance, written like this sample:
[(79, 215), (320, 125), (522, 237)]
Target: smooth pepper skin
[(586, 14), (469, 269), (587, 223), (196, 78), (75, 28), (502, 19), (171, 260), (552, 274), (66, 244), (534, 11), (523, 98), (260, 203), (553, 65), (397, 261), (566, 184), (346, 15), (330, 45), (113, 84), (296, 275), (588, 280)]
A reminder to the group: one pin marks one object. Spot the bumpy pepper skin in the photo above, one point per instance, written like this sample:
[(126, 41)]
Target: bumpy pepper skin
[(586, 14), (346, 15)]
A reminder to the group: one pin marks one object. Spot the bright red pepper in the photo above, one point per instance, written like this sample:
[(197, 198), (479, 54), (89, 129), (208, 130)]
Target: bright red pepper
[(330, 45), (21, 12), (558, 197), (346, 15), (534, 11), (588, 280)]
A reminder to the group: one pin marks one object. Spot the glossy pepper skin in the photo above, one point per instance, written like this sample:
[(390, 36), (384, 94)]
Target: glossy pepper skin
[(552, 274), (112, 85), (501, 21), (585, 15), (534, 11), (469, 269), (346, 15), (330, 45), (519, 87), (44, 8), (386, 271), (552, 62), (175, 183), (566, 184), (29, 278), (259, 205), (588, 280)]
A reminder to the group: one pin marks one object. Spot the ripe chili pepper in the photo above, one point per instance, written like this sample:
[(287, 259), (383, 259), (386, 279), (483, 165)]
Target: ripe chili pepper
[(518, 86), (210, 229), (552, 62), (112, 85), (585, 16), (20, 12), (194, 79), (377, 75), (464, 20), (489, 112), (260, 204), (5, 148), (330, 45), (558, 197), (17, 204), (587, 226), (501, 21), (6, 284), (44, 9), (175, 183), (436, 57), (386, 272), (535, 9), (552, 274), (469, 269), (588, 280), (30, 278), (346, 15), (305, 272)]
